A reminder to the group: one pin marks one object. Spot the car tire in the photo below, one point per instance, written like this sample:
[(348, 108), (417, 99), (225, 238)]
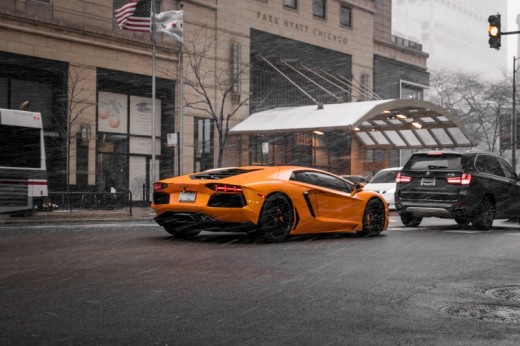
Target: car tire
[(409, 220), (181, 234), (486, 214), (373, 218), (276, 219)]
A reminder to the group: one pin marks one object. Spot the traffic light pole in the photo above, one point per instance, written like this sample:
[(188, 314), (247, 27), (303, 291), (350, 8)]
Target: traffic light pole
[(509, 32), (513, 117)]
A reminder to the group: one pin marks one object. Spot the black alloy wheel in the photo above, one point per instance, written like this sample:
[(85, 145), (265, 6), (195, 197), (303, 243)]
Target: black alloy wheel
[(409, 220), (486, 214), (373, 218), (276, 219)]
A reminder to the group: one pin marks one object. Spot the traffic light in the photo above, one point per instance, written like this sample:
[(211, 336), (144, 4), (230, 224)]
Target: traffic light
[(494, 31)]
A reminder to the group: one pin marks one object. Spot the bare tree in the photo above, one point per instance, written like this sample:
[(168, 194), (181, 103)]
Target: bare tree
[(213, 86), (480, 105), (78, 103)]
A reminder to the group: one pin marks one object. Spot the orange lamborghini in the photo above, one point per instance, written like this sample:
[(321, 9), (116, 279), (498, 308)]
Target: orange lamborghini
[(272, 202)]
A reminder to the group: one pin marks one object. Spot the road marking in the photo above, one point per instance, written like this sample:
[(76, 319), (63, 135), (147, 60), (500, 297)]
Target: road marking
[(466, 232)]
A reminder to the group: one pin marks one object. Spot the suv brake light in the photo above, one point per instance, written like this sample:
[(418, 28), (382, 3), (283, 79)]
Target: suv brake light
[(400, 178), (463, 180), (434, 153)]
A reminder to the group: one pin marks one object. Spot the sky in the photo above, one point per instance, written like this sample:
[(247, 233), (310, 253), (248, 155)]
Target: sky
[(513, 9)]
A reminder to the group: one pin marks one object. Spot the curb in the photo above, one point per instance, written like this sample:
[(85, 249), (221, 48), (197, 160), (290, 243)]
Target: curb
[(77, 216)]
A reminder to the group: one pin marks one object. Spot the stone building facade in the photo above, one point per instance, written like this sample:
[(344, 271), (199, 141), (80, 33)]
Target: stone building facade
[(92, 82)]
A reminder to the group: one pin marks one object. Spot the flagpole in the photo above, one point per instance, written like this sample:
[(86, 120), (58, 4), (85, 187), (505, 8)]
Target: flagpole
[(152, 174), (181, 99), (181, 104)]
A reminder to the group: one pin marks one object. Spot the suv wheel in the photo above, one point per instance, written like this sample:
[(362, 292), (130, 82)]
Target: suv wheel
[(409, 220), (484, 219)]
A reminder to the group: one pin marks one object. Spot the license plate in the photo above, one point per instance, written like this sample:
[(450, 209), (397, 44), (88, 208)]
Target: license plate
[(188, 197), (428, 181)]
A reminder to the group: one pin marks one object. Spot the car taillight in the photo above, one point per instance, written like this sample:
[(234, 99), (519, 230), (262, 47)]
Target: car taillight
[(400, 178), (464, 180), (159, 186), (224, 188), (434, 153)]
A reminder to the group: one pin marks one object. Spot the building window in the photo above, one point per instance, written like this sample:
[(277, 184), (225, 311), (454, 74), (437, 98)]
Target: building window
[(375, 155), (203, 144), (44, 1), (290, 4), (124, 132), (42, 82), (318, 8), (345, 16)]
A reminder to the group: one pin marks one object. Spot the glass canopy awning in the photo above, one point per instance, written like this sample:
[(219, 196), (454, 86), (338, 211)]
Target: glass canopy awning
[(382, 123)]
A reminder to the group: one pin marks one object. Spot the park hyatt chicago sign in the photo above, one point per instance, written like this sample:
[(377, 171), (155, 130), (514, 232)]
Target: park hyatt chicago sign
[(288, 24)]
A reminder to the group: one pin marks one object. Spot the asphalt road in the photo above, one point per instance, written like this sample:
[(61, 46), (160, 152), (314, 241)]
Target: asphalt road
[(132, 284)]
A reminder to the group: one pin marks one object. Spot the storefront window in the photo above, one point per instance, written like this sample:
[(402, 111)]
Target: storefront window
[(42, 82), (126, 127)]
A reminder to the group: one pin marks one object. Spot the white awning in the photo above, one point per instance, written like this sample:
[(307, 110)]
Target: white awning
[(399, 123)]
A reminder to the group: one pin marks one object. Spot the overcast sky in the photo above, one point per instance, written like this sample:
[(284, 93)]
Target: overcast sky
[(513, 9)]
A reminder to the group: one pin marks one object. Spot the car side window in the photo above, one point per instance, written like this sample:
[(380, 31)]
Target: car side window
[(481, 165), (323, 180), (494, 166), (508, 170)]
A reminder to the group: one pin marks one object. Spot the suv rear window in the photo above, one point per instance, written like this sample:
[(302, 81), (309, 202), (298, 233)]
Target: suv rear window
[(436, 161)]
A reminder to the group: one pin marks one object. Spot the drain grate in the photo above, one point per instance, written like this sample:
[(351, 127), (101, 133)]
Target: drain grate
[(507, 293), (487, 313)]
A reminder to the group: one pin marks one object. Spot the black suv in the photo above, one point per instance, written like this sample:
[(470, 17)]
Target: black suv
[(468, 186)]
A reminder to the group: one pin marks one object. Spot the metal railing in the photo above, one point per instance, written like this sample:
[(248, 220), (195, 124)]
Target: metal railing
[(67, 200)]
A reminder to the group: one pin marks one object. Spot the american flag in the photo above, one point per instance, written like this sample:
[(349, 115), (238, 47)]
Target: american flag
[(134, 16)]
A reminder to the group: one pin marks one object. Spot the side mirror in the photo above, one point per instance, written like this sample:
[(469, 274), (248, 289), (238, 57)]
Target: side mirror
[(357, 187)]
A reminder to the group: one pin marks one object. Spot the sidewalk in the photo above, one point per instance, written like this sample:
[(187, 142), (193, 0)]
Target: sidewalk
[(80, 215)]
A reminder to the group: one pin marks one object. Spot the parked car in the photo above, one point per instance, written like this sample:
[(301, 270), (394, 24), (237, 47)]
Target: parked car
[(468, 186), (355, 178), (274, 202), (384, 183)]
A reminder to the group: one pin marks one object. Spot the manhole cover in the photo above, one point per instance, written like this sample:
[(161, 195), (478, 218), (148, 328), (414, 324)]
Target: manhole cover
[(487, 313), (507, 293)]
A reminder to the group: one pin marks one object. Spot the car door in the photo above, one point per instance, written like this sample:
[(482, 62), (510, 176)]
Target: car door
[(496, 183), (512, 209), (330, 196), (334, 200)]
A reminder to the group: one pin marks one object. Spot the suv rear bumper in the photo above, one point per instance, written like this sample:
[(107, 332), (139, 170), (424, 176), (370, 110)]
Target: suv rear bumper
[(441, 210)]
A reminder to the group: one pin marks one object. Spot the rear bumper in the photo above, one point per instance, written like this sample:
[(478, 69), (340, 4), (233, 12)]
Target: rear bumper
[(437, 209), (184, 221)]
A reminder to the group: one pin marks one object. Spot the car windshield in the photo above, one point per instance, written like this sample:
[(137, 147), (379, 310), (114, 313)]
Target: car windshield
[(384, 177), (425, 162)]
